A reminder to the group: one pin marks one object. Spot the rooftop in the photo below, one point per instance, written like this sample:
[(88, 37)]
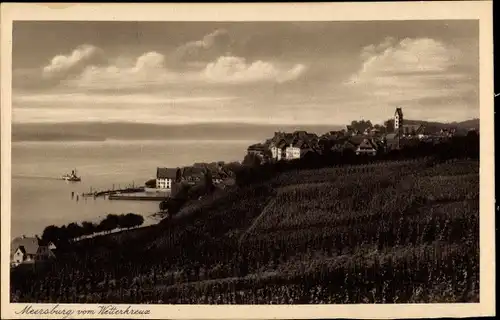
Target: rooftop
[(166, 173), (29, 244)]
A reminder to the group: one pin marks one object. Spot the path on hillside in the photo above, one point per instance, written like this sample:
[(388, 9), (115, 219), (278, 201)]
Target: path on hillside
[(256, 220)]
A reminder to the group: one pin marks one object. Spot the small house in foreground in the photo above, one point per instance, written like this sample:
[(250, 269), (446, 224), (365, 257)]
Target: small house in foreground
[(26, 250), (367, 147)]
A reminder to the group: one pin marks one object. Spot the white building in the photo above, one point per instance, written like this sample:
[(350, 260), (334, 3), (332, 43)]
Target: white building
[(292, 152), (276, 153), (166, 177)]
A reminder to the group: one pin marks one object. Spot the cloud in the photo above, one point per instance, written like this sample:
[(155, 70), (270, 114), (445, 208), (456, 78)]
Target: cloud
[(409, 56), (150, 71), (89, 68), (133, 99), (208, 48), (414, 73), (230, 69), (61, 66)]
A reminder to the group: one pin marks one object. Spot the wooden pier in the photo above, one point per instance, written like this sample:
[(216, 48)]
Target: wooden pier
[(104, 193), (130, 193), (137, 197)]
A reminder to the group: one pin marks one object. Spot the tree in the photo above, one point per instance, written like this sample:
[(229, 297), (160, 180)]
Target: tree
[(64, 234), (130, 220), (123, 221), (109, 223), (88, 228), (389, 125), (150, 183), (136, 219), (180, 191), (164, 205), (361, 125), (472, 134), (172, 205), (51, 234), (231, 168), (74, 230), (208, 181), (252, 160)]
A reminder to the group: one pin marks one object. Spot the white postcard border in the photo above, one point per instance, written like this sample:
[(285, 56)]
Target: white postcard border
[(481, 10)]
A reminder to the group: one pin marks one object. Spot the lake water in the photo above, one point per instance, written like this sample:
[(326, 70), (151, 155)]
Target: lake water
[(40, 199)]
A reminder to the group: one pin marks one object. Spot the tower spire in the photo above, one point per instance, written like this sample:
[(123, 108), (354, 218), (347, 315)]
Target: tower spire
[(398, 119)]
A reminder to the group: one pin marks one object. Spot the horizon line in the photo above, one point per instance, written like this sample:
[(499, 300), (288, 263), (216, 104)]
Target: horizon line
[(220, 122)]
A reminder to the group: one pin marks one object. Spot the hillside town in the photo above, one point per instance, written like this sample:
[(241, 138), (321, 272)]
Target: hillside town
[(360, 138)]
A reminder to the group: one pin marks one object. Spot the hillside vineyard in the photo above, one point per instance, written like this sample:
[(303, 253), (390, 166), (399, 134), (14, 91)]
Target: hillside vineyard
[(350, 234)]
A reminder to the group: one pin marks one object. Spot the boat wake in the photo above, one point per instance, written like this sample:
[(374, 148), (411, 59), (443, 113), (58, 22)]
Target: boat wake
[(15, 176)]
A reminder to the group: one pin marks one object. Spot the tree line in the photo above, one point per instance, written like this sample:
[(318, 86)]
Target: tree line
[(75, 230)]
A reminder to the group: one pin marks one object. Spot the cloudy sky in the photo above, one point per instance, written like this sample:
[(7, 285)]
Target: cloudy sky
[(254, 72)]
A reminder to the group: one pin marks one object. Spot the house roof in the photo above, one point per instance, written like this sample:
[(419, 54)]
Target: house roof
[(337, 146), (349, 143), (336, 132), (29, 245), (412, 126), (392, 136), (257, 146), (192, 171), (368, 143), (300, 144), (355, 140), (399, 111), (166, 173), (281, 143)]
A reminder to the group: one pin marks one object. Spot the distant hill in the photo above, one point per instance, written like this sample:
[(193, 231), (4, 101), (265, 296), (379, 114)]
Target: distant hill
[(100, 131), (473, 123)]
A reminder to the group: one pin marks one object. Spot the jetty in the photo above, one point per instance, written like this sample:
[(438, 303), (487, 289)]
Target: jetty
[(111, 192), (141, 197)]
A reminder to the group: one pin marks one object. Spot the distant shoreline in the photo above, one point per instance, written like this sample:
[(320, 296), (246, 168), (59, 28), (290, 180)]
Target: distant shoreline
[(123, 131), (144, 141)]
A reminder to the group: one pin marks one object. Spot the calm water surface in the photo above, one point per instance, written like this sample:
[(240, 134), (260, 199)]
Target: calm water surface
[(39, 199)]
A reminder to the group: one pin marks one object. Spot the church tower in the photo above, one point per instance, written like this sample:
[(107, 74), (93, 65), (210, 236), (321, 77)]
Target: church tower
[(398, 119)]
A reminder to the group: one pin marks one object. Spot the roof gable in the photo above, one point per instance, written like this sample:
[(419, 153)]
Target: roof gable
[(167, 173), (301, 144), (280, 143), (349, 144), (192, 171), (29, 244), (412, 127), (367, 143)]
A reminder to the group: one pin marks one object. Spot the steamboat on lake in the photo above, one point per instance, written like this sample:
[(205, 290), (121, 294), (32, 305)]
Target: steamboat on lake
[(72, 177)]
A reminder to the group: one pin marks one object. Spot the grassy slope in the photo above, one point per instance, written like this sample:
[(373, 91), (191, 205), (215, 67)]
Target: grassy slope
[(400, 232)]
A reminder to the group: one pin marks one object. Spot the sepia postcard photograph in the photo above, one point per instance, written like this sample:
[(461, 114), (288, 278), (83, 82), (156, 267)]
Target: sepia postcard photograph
[(247, 160)]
